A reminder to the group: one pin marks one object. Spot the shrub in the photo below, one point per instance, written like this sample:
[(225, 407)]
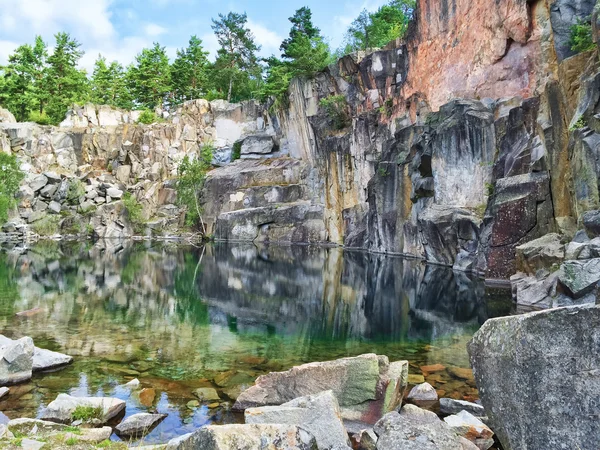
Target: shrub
[(46, 226), (148, 117), (134, 208), (10, 178), (579, 124), (87, 413), (335, 108), (39, 118), (76, 191), (581, 37), (192, 173), (236, 153), (489, 189)]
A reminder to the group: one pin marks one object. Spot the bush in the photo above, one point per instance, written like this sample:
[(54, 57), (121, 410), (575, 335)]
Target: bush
[(335, 108), (148, 117), (236, 153), (10, 178), (41, 119), (87, 413), (579, 124), (134, 209), (581, 37), (75, 192), (192, 173), (46, 226)]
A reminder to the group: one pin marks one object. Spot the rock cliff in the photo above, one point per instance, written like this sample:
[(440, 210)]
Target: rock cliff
[(475, 135)]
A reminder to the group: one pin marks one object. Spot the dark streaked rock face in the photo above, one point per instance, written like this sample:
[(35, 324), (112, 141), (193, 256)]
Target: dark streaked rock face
[(538, 377)]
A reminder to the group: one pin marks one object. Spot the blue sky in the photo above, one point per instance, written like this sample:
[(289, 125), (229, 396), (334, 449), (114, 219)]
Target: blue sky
[(119, 29)]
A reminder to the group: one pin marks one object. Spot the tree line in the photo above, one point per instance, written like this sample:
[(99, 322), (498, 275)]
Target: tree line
[(40, 85)]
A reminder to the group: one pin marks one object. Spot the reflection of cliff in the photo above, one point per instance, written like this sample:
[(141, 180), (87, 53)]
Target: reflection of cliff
[(328, 294), (202, 308)]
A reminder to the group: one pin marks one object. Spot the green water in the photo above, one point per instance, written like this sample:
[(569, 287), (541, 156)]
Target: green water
[(178, 318)]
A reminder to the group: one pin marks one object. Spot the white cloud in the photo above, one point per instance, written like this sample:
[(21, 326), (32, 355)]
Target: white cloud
[(267, 39), (153, 29)]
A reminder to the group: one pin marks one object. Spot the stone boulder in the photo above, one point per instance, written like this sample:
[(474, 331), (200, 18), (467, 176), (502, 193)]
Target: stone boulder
[(365, 386), (591, 222), (139, 425), (16, 360), (318, 414), (43, 430), (417, 429), (538, 377), (42, 359), (580, 278), (6, 116), (245, 437), (422, 393), (61, 409), (471, 428), (257, 145), (542, 253)]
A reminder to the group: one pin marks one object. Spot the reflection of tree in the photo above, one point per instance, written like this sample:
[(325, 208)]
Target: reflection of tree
[(9, 291), (190, 306)]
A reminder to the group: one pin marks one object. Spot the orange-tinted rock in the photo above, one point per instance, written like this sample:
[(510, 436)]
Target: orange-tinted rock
[(147, 396), (459, 372), (433, 368)]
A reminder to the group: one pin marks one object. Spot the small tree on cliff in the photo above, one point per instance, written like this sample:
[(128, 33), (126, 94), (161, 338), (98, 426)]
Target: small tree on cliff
[(236, 62), (191, 176)]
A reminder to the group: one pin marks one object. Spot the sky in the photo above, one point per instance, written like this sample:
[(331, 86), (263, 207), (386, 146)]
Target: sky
[(120, 29)]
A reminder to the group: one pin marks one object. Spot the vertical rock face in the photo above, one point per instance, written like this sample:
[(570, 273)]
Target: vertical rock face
[(563, 14)]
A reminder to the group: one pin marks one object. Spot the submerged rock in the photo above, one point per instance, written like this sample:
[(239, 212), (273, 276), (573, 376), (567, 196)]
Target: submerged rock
[(538, 377), (62, 408), (417, 429), (16, 360), (248, 436), (207, 394), (139, 425), (452, 406), (318, 414)]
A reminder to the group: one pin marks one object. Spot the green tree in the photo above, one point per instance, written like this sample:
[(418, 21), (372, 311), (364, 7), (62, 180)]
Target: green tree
[(191, 177), (22, 76), (304, 54), (236, 66), (64, 83), (389, 22), (189, 72), (109, 85), (150, 77), (302, 27), (10, 178)]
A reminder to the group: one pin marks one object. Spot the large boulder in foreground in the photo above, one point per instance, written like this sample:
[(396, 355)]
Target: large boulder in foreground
[(365, 386), (539, 379), (245, 437), (16, 360), (62, 408), (318, 414)]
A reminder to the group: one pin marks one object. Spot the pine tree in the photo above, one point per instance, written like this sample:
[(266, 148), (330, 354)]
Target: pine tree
[(109, 85), (150, 77), (22, 76), (302, 27), (189, 72), (236, 64), (64, 83)]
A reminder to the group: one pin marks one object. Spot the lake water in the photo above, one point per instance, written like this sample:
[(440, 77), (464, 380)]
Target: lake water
[(178, 318)]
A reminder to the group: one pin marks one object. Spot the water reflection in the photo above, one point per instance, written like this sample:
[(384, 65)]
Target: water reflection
[(179, 318)]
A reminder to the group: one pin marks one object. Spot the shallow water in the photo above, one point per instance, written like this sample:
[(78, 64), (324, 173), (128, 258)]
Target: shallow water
[(178, 318)]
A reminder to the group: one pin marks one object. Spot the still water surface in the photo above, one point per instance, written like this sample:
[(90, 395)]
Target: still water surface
[(178, 318)]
